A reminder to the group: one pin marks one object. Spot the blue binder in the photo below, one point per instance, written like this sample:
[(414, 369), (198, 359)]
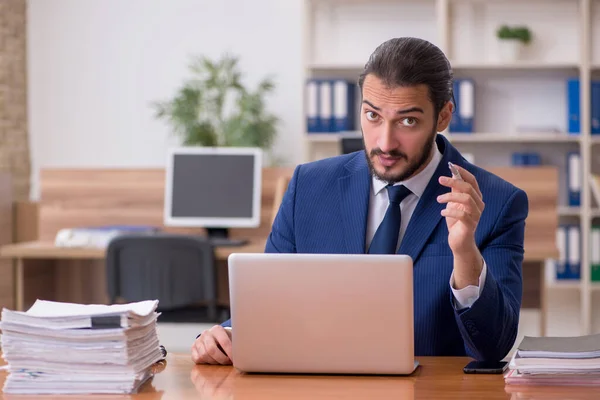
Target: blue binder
[(574, 179), (464, 106), (533, 159), (518, 159), (344, 105), (574, 252), (562, 245), (573, 109), (313, 123), (521, 159), (326, 106), (595, 97)]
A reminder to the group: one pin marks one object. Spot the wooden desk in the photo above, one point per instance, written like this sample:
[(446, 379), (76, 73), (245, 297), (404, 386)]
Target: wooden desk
[(78, 274), (47, 250), (436, 378)]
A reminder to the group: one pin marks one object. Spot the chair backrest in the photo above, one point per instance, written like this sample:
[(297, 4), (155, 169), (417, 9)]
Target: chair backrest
[(178, 270)]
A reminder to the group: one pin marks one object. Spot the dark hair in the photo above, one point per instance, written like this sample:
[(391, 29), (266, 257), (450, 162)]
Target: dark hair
[(409, 61)]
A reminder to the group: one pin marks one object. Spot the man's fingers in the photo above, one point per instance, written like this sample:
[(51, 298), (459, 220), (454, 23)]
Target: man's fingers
[(215, 341), (223, 340), (469, 178), (463, 187), (468, 202), (461, 215), (214, 352), (195, 355), (468, 185), (204, 356)]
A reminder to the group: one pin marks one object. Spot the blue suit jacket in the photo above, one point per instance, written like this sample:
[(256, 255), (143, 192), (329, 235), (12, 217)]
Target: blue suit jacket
[(324, 210)]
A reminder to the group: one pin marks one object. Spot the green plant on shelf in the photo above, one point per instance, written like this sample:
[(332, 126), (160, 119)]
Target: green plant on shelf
[(520, 33), (214, 108)]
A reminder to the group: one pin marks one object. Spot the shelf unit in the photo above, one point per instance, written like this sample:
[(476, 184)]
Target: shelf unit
[(341, 34)]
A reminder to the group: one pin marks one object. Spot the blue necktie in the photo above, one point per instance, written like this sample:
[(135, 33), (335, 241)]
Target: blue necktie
[(386, 237)]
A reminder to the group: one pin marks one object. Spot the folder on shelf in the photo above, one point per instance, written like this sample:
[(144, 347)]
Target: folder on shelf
[(573, 171), (573, 106), (534, 159), (595, 110), (574, 252), (561, 244), (595, 253), (518, 159), (464, 113), (326, 106), (343, 105), (521, 159), (313, 123)]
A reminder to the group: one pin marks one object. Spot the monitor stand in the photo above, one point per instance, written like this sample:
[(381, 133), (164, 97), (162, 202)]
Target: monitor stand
[(219, 237)]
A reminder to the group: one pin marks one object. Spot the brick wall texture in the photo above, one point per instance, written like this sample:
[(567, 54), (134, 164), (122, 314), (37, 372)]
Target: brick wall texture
[(14, 140)]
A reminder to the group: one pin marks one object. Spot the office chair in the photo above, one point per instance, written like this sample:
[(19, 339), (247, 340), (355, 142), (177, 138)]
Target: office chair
[(177, 270)]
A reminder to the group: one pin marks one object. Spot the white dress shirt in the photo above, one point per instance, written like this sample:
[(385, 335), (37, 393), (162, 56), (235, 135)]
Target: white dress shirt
[(378, 204)]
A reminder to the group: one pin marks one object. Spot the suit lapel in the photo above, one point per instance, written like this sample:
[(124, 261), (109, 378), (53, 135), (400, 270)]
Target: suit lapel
[(354, 204), (427, 213)]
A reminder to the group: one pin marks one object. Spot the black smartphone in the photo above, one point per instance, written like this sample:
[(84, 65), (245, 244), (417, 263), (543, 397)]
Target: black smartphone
[(485, 367)]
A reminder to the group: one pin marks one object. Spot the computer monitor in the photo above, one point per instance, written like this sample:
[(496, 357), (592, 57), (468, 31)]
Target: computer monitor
[(216, 188), (350, 144)]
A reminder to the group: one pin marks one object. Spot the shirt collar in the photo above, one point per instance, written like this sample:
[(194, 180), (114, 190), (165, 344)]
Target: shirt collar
[(417, 183)]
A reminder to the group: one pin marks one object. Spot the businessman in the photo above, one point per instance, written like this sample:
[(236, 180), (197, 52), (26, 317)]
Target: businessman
[(464, 233)]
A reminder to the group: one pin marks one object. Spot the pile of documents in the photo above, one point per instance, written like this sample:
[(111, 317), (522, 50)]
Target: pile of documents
[(64, 348), (558, 361)]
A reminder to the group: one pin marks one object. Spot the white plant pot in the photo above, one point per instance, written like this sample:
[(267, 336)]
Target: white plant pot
[(510, 50)]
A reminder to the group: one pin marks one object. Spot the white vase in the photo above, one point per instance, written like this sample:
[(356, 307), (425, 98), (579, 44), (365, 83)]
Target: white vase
[(509, 50)]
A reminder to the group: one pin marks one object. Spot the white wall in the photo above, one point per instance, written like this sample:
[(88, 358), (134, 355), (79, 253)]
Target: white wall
[(96, 66)]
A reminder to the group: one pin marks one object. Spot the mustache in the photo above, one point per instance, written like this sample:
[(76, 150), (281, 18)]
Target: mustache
[(393, 153)]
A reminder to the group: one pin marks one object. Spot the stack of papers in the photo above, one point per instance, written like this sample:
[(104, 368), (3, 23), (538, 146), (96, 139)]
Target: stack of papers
[(568, 361), (64, 348)]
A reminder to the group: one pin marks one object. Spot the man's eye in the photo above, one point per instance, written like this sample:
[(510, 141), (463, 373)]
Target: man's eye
[(409, 121), (371, 116)]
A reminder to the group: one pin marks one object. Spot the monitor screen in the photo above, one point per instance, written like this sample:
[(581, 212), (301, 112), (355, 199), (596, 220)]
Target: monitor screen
[(213, 187), (351, 144)]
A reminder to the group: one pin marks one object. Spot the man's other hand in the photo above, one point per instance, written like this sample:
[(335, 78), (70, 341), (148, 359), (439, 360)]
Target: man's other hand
[(213, 347)]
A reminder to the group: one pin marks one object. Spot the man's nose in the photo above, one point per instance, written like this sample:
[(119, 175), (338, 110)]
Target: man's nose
[(386, 141)]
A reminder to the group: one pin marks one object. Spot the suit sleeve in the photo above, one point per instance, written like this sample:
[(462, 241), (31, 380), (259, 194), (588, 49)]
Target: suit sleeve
[(489, 327), (281, 239)]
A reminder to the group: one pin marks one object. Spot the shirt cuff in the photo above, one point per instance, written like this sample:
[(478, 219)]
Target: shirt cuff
[(467, 296)]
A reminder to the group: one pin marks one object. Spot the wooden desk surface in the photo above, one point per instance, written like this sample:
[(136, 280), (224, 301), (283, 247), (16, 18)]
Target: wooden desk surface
[(47, 250), (436, 378)]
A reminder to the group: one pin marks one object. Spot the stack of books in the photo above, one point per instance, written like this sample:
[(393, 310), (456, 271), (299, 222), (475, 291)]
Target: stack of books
[(557, 361), (64, 348)]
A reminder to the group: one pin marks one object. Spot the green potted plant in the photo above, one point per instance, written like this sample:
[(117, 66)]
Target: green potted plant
[(214, 108), (512, 39)]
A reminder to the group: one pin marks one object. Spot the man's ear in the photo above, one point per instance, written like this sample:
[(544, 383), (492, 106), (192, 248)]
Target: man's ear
[(445, 116)]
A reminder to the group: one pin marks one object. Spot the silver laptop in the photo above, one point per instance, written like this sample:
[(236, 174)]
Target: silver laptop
[(322, 313)]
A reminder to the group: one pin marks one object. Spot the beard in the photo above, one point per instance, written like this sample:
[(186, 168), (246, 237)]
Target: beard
[(411, 167)]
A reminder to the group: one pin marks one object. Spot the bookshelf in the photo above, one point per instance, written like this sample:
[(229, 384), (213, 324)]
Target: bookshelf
[(512, 97)]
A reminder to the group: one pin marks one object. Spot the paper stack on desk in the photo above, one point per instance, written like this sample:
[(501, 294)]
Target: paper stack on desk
[(63, 348), (571, 361)]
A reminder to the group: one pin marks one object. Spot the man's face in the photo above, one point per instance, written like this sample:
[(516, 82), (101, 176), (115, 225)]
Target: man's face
[(399, 128)]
